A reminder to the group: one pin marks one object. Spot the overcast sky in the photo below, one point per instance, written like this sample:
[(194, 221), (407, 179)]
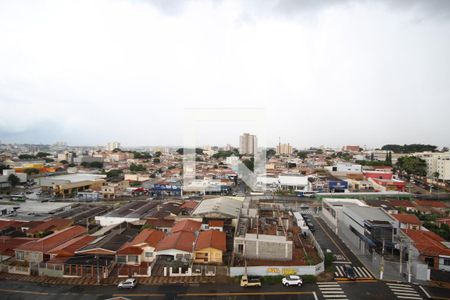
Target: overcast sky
[(323, 72)]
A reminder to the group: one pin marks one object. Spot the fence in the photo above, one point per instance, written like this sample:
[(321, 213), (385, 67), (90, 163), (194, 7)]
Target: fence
[(277, 270)]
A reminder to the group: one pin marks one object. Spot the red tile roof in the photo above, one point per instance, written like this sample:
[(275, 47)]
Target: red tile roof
[(8, 244), (407, 219), (401, 203), (51, 225), (186, 225), (158, 223), (427, 242), (128, 249), (68, 248), (437, 204), (7, 224), (181, 240), (51, 241), (215, 223), (211, 239), (191, 204), (150, 237)]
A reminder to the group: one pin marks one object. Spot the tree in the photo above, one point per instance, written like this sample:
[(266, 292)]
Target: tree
[(372, 156), (114, 173), (137, 168), (117, 150), (26, 156), (249, 163), (42, 154), (158, 153), (156, 160), (412, 165), (409, 148), (270, 153), (388, 159), (13, 180), (444, 149), (64, 162), (141, 155), (302, 155)]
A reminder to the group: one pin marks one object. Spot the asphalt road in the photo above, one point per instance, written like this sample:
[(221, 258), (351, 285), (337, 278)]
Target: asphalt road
[(354, 290)]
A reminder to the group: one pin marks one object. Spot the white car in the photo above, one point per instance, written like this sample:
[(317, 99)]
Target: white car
[(292, 280), (127, 284)]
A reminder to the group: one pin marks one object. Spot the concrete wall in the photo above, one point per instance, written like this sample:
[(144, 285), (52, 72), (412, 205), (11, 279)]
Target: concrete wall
[(277, 270), (263, 249)]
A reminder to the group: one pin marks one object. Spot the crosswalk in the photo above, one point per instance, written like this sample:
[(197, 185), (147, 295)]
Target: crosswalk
[(331, 291), (361, 272), (404, 291)]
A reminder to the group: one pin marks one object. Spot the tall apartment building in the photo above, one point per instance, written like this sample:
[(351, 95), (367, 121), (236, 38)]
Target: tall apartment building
[(248, 144), (284, 149), (112, 145), (437, 162)]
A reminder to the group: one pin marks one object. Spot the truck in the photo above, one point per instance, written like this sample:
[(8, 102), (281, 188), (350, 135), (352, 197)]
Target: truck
[(247, 281)]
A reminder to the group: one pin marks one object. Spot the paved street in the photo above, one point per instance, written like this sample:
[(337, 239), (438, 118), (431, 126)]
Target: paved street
[(353, 290)]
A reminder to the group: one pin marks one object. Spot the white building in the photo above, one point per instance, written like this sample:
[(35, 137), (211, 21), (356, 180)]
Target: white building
[(112, 145), (437, 162), (346, 167), (248, 144)]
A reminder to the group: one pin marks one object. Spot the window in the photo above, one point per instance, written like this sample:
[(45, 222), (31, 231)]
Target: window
[(121, 259), (20, 255), (133, 258), (446, 261), (148, 254), (240, 248)]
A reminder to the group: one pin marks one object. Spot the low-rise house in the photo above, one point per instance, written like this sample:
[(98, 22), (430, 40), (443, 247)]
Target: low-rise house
[(210, 246), (432, 248), (135, 257), (177, 245), (161, 224), (60, 254), (8, 244), (408, 221), (48, 227), (215, 225), (186, 225), (36, 251), (141, 248)]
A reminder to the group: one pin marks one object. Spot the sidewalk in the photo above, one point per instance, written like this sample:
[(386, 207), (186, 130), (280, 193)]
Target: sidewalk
[(154, 280)]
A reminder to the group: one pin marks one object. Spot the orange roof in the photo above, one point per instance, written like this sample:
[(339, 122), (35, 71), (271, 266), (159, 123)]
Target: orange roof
[(128, 249), (6, 224), (427, 242), (68, 248), (8, 244), (401, 203), (211, 239), (51, 241), (150, 237), (181, 240), (215, 223), (438, 204), (186, 225), (191, 204), (51, 225), (407, 219)]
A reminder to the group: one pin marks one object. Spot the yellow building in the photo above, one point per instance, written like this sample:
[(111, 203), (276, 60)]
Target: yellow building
[(210, 247)]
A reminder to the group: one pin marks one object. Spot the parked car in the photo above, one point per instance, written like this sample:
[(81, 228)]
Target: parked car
[(349, 272), (127, 284), (247, 281), (292, 280)]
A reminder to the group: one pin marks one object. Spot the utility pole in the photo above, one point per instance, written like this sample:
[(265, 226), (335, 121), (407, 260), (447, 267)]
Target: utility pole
[(401, 256), (98, 271), (409, 263), (382, 262)]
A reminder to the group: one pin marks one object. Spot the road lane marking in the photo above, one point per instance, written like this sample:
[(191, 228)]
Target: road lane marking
[(425, 291), (23, 292)]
